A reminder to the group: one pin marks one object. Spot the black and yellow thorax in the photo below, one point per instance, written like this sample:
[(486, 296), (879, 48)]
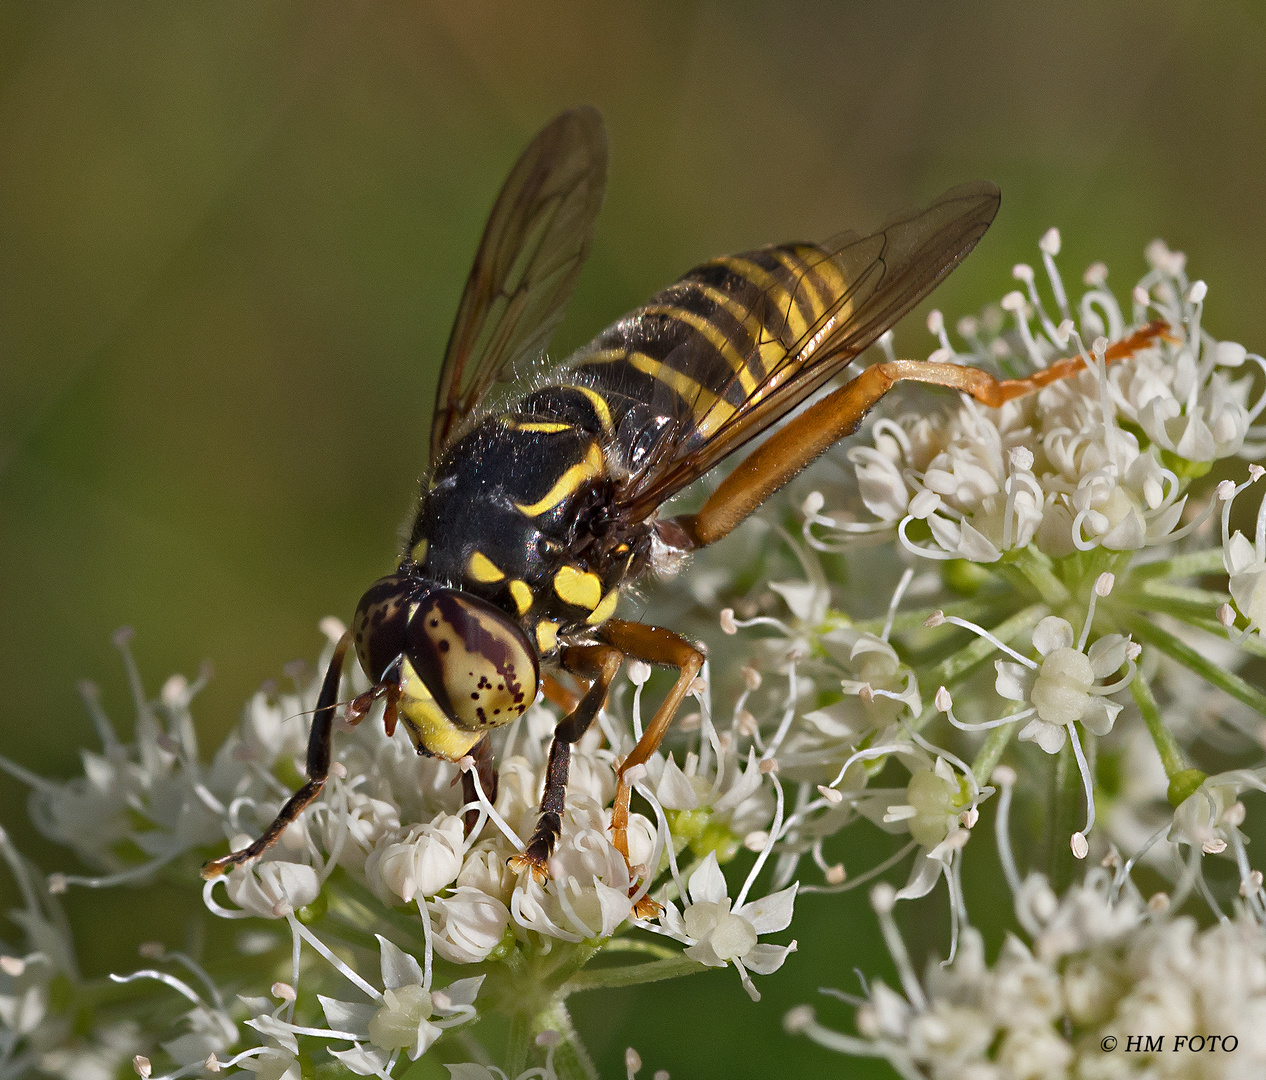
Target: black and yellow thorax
[(518, 513)]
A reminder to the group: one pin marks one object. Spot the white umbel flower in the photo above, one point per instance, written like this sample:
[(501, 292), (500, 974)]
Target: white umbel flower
[(717, 935), (424, 861)]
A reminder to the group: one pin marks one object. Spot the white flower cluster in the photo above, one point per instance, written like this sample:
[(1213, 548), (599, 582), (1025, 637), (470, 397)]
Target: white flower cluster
[(1095, 460), (394, 826), (1100, 968), (1039, 582), (1048, 537)]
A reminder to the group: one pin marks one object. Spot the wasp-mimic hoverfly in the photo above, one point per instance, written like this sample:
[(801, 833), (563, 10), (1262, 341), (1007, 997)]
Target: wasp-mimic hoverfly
[(535, 514)]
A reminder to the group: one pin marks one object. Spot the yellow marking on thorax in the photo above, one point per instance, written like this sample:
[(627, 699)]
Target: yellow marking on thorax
[(522, 595), (418, 554), (544, 427), (703, 401), (605, 609), (717, 337), (568, 483), (580, 588), (435, 731), (483, 569), (599, 404), (546, 635)]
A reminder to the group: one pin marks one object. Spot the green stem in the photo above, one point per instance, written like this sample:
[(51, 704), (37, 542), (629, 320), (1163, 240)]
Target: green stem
[(1168, 748), (520, 1043), (1193, 564), (632, 974), (1167, 589), (990, 752), (1039, 572), (1188, 657), (571, 1058), (1179, 607), (660, 952), (1251, 644), (568, 963)]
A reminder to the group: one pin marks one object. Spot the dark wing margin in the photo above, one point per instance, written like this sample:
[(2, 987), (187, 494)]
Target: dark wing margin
[(534, 244), (884, 274)]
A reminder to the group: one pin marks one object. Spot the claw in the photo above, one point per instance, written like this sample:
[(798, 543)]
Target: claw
[(646, 908), (527, 862)]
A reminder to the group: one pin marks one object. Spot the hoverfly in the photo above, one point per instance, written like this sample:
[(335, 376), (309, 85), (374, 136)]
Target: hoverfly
[(535, 514)]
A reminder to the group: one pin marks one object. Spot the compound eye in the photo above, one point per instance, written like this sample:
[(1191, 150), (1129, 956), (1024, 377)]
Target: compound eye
[(473, 658), (381, 625)]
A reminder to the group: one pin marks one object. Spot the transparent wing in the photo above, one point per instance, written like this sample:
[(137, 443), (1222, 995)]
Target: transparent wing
[(533, 246), (879, 278)]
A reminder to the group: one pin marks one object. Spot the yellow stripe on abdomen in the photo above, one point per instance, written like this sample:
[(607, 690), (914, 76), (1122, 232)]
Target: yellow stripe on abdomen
[(717, 338), (710, 410)]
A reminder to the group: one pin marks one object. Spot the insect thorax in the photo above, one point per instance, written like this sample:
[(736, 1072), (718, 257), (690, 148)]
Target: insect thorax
[(519, 512)]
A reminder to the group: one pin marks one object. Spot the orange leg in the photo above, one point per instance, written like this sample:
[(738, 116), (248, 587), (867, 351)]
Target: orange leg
[(557, 694), (840, 413), (654, 645)]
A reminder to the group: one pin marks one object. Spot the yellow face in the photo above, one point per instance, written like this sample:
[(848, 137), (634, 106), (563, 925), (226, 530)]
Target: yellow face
[(428, 723)]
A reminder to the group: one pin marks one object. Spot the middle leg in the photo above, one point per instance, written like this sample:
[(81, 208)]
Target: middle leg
[(654, 645), (600, 662)]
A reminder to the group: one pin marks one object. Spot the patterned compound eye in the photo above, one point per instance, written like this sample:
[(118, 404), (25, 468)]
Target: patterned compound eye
[(473, 658), (381, 625)]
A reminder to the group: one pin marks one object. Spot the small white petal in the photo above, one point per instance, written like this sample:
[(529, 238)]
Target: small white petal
[(771, 913), (707, 884), (1052, 633)]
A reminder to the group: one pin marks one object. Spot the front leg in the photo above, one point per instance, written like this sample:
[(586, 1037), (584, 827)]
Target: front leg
[(601, 662), (318, 769)]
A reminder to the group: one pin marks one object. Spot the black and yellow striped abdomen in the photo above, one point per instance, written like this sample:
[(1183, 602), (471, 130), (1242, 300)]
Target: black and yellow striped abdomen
[(703, 347)]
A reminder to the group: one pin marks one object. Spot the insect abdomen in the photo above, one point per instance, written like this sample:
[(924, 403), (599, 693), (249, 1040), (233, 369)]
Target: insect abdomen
[(701, 348)]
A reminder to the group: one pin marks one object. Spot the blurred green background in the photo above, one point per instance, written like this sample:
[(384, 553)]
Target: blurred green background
[(232, 239)]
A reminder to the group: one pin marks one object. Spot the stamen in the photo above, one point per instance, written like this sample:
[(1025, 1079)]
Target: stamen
[(180, 986), (945, 704), (1050, 245), (1015, 303), (936, 326), (883, 898), (774, 830), (296, 927), (893, 604), (1079, 839), (1103, 587), (863, 878), (662, 836), (980, 631), (784, 725), (467, 765), (1004, 776), (869, 754)]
